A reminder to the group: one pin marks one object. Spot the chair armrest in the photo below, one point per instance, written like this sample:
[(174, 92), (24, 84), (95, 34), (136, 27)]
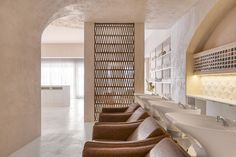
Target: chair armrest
[(114, 110), (122, 152), (114, 117), (113, 132), (118, 144)]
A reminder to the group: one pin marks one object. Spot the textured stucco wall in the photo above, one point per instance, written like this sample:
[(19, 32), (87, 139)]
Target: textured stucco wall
[(22, 23), (181, 36)]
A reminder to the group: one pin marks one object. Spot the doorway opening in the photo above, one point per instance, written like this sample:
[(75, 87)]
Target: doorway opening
[(62, 75)]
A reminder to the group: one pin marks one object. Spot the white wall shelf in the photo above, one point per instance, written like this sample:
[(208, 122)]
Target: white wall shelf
[(160, 68), (167, 68)]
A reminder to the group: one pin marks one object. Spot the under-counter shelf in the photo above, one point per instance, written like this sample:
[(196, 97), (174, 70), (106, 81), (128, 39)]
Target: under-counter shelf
[(220, 100)]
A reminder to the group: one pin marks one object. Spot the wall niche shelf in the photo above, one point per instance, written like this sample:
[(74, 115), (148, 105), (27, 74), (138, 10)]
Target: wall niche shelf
[(217, 60), (160, 68)]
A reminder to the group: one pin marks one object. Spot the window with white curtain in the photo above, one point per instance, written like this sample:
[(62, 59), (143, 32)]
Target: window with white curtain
[(64, 72)]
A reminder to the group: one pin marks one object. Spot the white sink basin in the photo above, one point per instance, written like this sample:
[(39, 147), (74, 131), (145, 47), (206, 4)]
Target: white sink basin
[(218, 140), (170, 106), (145, 98), (149, 97)]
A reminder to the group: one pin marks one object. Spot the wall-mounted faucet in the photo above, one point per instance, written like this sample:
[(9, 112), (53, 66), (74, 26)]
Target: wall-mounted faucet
[(220, 118)]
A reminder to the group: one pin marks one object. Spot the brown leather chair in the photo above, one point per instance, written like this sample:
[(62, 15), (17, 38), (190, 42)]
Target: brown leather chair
[(138, 114), (132, 107), (132, 134), (165, 148)]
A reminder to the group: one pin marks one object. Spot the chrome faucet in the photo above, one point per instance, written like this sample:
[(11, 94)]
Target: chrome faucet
[(164, 98), (220, 118), (182, 105)]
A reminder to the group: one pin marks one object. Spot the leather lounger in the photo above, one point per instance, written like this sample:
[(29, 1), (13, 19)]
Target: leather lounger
[(165, 148), (127, 135), (137, 115)]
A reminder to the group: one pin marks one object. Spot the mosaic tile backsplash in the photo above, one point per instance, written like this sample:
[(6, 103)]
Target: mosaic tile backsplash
[(219, 86)]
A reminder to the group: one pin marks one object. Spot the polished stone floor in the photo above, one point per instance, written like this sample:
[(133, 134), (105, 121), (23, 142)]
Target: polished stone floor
[(63, 133)]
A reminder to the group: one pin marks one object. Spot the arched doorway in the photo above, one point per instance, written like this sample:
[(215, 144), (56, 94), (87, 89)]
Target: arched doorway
[(61, 123), (62, 72)]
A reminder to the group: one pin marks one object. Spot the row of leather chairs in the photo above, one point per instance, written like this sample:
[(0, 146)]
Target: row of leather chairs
[(130, 132)]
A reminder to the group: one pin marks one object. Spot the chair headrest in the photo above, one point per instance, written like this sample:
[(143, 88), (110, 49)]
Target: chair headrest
[(167, 148), (147, 129), (138, 114), (132, 107)]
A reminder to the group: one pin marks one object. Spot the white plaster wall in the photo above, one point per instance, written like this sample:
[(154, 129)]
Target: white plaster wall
[(66, 50), (181, 35), (155, 38)]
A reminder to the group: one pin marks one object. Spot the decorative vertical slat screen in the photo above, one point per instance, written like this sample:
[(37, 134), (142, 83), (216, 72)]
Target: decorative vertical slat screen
[(114, 65), (217, 60)]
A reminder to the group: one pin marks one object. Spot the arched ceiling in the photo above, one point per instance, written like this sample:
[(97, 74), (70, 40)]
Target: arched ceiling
[(66, 26), (157, 14), (209, 24)]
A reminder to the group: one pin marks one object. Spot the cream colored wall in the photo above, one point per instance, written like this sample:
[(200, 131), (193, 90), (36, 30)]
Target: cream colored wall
[(217, 29), (139, 58), (89, 71), (221, 85), (200, 38), (224, 33), (66, 50), (20, 42)]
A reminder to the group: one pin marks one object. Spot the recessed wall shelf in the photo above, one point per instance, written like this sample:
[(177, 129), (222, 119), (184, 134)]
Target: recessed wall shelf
[(218, 60)]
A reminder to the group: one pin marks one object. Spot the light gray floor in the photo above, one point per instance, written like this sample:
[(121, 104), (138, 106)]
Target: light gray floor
[(63, 133)]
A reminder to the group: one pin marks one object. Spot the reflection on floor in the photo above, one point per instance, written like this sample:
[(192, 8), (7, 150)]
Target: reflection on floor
[(63, 133)]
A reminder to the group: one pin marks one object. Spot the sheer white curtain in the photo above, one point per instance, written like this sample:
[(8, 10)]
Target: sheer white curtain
[(64, 72)]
